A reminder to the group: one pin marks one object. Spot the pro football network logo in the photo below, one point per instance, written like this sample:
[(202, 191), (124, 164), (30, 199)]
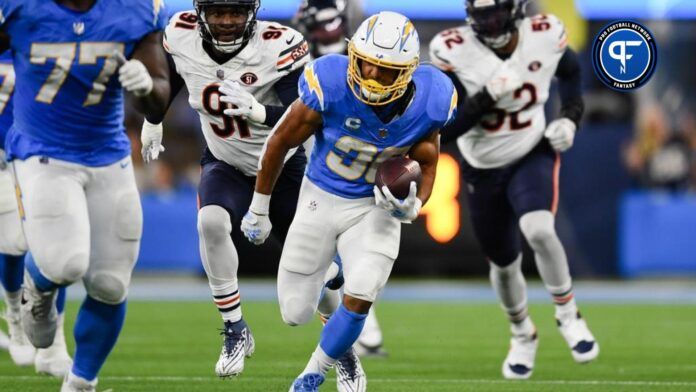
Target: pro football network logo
[(624, 55)]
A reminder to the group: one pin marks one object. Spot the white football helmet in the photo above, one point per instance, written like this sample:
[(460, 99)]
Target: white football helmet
[(388, 40)]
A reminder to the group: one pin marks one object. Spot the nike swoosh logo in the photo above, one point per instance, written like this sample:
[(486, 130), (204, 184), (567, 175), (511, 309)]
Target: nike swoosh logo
[(125, 164), (290, 40)]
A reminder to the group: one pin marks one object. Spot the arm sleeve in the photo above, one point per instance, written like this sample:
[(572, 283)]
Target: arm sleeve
[(286, 88), (569, 86), (469, 111), (175, 84)]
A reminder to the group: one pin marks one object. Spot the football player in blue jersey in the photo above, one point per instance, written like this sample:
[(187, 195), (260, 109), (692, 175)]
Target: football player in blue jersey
[(373, 104), (71, 158), (53, 360), (324, 23)]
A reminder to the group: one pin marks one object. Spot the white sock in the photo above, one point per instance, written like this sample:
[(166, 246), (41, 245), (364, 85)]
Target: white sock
[(523, 328), (13, 300), (320, 363), (508, 282)]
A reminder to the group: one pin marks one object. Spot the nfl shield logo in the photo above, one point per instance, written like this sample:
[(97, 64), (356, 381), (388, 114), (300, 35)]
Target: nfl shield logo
[(383, 133), (220, 74), (78, 28)]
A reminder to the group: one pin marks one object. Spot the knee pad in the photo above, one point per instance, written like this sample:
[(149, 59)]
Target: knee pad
[(12, 240), (214, 224), (107, 287), (62, 265), (129, 220), (538, 227), (507, 271), (296, 311)]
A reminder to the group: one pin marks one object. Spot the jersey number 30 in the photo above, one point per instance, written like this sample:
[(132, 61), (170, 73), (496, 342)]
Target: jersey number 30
[(365, 162)]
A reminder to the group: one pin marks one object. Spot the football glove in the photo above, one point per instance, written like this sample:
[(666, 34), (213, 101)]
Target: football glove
[(151, 138), (133, 75), (405, 210), (561, 134), (256, 225), (504, 81), (244, 104)]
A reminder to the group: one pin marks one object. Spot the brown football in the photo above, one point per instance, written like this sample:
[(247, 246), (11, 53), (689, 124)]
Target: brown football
[(397, 173)]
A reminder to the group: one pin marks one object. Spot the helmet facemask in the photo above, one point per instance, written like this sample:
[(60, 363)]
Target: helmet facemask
[(495, 24), (371, 91), (226, 37)]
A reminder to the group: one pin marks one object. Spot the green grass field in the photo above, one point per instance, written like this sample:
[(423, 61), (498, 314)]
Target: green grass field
[(432, 347)]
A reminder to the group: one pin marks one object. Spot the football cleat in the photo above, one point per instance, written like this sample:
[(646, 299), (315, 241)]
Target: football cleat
[(307, 383), (350, 376), (519, 363), (55, 360), (21, 350), (582, 343), (73, 383), (39, 314), (238, 344)]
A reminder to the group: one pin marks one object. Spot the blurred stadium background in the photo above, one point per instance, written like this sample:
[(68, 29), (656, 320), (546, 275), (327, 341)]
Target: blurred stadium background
[(626, 209), (627, 217)]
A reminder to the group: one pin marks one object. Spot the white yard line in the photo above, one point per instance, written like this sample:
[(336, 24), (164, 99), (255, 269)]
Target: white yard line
[(635, 383)]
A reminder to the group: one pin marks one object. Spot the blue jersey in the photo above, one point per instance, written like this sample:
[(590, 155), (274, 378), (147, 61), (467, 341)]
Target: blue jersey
[(353, 140), (7, 83), (69, 103)]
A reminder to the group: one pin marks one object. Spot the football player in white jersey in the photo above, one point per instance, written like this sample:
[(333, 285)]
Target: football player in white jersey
[(241, 74), (503, 64), (325, 25)]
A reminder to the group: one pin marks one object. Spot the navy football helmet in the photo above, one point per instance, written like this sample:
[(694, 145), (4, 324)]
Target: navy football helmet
[(324, 23), (227, 38), (495, 21)]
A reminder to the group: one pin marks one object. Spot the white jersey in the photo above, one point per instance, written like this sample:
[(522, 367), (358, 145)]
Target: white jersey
[(517, 122), (273, 52)]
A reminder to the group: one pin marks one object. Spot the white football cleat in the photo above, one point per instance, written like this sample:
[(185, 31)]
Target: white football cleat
[(4, 341), (519, 363), (582, 343), (350, 376), (236, 346), (39, 314), (21, 350), (55, 360), (73, 383)]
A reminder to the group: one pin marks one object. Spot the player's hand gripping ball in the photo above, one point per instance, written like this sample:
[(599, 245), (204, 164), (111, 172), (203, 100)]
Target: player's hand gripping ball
[(396, 185)]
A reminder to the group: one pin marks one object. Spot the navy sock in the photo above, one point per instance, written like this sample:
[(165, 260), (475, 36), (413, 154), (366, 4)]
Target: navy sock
[(96, 330), (60, 300), (341, 331), (11, 272), (42, 283)]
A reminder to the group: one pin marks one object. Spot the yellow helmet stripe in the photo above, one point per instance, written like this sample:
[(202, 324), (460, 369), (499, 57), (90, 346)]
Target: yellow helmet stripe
[(371, 26), (406, 33), (453, 104)]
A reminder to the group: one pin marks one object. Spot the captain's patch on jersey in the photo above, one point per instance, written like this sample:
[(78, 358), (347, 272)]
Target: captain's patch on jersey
[(624, 55)]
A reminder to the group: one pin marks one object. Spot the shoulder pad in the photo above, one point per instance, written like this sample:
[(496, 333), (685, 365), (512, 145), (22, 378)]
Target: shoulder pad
[(551, 28), (443, 99), (287, 45), (182, 25), (324, 81), (447, 47), (153, 12)]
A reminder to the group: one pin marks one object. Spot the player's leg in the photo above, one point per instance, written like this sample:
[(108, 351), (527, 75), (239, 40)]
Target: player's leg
[(495, 226), (282, 212), (115, 218), (55, 360), (56, 226), (533, 192), (224, 195)]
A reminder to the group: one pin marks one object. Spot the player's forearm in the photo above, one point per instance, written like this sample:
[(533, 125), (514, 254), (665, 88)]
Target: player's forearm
[(271, 165), (427, 154), (469, 111), (570, 86), (428, 170), (155, 104)]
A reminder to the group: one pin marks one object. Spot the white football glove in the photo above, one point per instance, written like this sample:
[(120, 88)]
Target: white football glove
[(561, 134), (3, 160), (504, 81), (404, 210), (151, 138), (246, 105), (256, 225), (133, 75)]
